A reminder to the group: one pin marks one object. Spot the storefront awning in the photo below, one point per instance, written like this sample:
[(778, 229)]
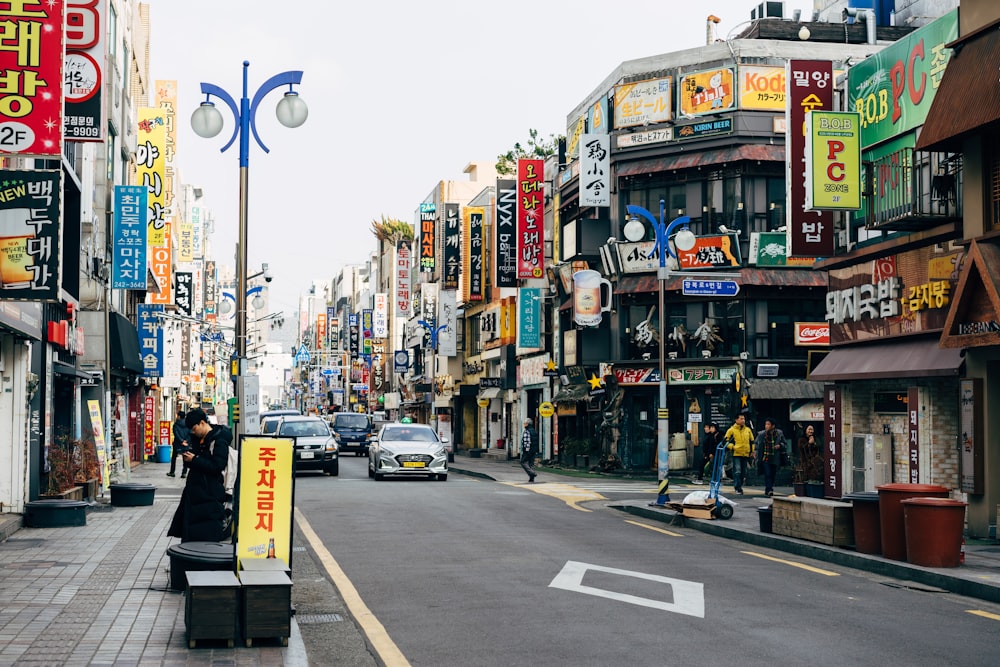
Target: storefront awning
[(68, 370), (918, 358), (572, 393), (124, 345), (783, 389), (489, 392), (648, 282), (951, 116), (696, 158)]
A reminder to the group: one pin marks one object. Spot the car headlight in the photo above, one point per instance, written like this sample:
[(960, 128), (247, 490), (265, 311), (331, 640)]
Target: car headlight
[(331, 445), (441, 453)]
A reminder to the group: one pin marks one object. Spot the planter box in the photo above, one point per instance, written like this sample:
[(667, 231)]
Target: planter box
[(74, 493), (55, 513), (814, 519), (132, 495)]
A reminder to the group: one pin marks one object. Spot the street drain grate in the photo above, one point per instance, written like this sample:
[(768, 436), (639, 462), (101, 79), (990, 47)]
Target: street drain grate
[(310, 619)]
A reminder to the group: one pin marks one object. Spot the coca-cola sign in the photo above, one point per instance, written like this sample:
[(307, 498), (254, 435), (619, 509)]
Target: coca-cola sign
[(812, 334)]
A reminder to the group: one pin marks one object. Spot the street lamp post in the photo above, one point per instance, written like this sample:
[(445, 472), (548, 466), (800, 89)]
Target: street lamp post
[(685, 241), (435, 332), (207, 122)]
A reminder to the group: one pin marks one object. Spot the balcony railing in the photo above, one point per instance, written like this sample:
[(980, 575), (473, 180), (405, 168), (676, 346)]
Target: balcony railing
[(909, 189)]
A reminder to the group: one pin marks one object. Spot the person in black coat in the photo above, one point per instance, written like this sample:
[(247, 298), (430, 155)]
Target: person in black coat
[(201, 515), (180, 431), (529, 449)]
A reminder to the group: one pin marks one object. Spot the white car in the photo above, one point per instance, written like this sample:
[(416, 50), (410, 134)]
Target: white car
[(408, 449)]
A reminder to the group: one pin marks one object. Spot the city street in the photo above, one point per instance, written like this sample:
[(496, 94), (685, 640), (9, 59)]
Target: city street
[(480, 572)]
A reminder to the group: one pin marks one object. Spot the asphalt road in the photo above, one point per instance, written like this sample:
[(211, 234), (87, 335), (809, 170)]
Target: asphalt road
[(476, 572)]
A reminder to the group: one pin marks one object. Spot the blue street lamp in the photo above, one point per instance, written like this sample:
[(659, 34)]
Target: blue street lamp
[(207, 122), (683, 239)]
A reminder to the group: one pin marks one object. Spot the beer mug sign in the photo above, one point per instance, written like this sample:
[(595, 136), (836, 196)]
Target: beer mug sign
[(589, 299)]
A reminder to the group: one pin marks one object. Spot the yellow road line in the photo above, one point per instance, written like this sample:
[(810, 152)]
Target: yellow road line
[(386, 648), (567, 493), (984, 614), (659, 530), (802, 566)]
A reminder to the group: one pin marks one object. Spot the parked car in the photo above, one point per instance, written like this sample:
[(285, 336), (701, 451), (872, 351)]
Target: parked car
[(353, 431), (408, 449), (269, 419), (315, 446)]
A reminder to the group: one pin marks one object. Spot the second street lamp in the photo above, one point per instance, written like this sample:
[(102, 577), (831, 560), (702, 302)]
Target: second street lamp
[(207, 122), (684, 240)]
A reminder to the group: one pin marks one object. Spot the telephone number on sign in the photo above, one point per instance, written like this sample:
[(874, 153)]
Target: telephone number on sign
[(83, 132), (836, 187)]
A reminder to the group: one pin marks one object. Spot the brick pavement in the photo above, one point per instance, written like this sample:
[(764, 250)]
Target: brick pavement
[(99, 594)]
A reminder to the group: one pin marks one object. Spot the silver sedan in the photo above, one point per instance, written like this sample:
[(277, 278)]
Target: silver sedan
[(408, 449)]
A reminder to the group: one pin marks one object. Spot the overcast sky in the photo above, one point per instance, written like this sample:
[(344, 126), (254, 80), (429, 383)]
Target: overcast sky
[(401, 94)]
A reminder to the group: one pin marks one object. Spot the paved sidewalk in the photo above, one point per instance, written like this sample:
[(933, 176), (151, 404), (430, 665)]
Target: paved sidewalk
[(979, 577), (99, 594)]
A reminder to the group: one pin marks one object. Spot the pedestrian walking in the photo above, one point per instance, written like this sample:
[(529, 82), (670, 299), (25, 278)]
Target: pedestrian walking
[(180, 431), (770, 446), (739, 439), (529, 449), (707, 454), (201, 515)]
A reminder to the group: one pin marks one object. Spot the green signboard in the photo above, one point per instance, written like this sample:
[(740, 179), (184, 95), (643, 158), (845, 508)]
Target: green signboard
[(894, 88)]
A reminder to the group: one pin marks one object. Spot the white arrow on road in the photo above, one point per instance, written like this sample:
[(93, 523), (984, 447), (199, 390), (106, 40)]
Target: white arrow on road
[(688, 596)]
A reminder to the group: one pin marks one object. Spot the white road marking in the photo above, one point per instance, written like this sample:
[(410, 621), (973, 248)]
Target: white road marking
[(689, 596)]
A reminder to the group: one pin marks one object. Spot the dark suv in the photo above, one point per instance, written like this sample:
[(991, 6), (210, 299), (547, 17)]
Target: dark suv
[(352, 431)]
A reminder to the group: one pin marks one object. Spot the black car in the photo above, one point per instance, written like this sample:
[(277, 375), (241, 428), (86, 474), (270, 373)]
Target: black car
[(352, 430)]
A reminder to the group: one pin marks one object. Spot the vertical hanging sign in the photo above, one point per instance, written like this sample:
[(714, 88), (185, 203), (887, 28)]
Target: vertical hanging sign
[(31, 94), (529, 318), (473, 253), (428, 241), (30, 234), (452, 246), (403, 278), (128, 265), (595, 170), (831, 443), (530, 218), (82, 76), (380, 316), (810, 88), (506, 234), (913, 433), (150, 168), (150, 334)]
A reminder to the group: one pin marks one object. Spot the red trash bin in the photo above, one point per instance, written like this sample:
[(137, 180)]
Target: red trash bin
[(890, 498), (934, 528), (867, 536)]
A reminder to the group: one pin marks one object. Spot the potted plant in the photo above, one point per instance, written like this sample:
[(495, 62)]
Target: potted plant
[(72, 464)]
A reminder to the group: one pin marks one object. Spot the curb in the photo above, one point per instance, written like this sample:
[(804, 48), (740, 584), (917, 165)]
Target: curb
[(853, 560)]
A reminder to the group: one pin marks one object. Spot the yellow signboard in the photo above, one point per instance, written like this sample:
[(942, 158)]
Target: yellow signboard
[(264, 505), (546, 409), (710, 91), (762, 88), (151, 164), (833, 160)]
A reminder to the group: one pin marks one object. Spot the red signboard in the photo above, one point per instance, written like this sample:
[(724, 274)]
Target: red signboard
[(634, 375), (31, 96), (812, 334), (810, 86), (530, 218), (149, 426), (164, 432)]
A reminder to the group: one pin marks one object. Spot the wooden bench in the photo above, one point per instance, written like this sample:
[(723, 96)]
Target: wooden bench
[(267, 606), (814, 519)]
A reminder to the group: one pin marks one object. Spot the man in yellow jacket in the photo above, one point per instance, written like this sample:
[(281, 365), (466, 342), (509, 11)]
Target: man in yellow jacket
[(739, 438)]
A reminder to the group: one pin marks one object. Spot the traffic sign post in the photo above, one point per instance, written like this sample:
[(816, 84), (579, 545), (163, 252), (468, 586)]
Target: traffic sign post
[(700, 287)]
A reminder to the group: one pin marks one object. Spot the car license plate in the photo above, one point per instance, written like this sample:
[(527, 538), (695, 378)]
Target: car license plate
[(306, 455), (414, 464)]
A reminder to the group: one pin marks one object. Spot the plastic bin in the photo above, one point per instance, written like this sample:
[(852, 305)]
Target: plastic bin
[(163, 453), (867, 532), (890, 509), (766, 516), (934, 528)]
